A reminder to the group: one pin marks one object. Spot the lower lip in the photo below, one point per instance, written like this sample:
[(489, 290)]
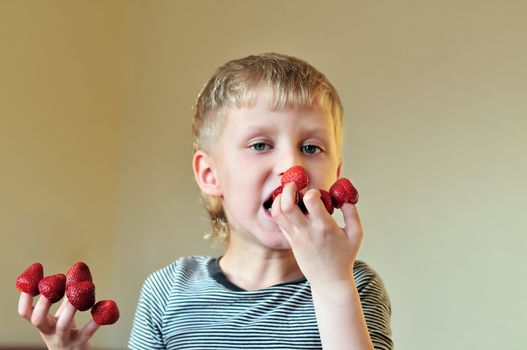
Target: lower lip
[(268, 213)]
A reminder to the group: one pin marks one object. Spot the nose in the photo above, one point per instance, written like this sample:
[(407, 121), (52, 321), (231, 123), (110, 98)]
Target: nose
[(287, 158)]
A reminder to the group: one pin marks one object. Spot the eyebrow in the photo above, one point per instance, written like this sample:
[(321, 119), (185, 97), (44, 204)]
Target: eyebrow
[(320, 132), (258, 129), (326, 132)]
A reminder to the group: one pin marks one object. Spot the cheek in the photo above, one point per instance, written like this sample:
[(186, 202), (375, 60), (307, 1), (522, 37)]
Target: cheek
[(242, 199), (324, 179), (243, 175), (252, 169), (240, 209)]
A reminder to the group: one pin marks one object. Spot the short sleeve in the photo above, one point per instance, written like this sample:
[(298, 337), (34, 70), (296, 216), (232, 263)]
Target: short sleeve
[(146, 329), (375, 305)]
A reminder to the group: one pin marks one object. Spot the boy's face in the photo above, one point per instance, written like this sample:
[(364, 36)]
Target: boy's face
[(256, 146)]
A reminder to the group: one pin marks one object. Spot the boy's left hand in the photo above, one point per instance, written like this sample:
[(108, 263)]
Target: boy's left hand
[(325, 252)]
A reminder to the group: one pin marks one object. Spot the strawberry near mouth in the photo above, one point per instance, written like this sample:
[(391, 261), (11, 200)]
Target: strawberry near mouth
[(342, 191), (269, 202)]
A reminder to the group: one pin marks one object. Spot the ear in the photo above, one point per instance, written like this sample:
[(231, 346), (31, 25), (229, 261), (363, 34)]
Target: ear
[(339, 168), (204, 173)]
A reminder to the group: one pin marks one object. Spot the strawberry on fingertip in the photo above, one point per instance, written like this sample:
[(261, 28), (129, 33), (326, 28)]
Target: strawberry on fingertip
[(326, 199), (343, 191), (28, 280), (105, 312), (53, 287), (79, 272), (277, 192), (296, 174), (81, 295)]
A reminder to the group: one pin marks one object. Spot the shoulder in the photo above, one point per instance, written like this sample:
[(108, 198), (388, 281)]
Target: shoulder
[(376, 304), (183, 264), (162, 281), (362, 268), (159, 290), (370, 285), (365, 275)]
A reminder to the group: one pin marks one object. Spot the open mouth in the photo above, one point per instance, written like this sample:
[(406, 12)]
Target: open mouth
[(299, 201), (268, 203)]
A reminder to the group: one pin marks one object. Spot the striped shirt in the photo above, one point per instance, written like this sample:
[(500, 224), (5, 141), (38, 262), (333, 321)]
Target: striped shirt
[(190, 304)]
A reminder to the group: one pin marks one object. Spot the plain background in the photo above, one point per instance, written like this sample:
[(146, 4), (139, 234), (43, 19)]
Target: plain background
[(95, 147)]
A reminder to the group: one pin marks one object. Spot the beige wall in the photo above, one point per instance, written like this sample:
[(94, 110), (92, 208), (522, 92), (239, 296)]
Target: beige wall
[(62, 102), (95, 146)]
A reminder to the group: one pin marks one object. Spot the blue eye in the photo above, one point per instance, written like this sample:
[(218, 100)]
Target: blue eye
[(260, 146), (311, 149)]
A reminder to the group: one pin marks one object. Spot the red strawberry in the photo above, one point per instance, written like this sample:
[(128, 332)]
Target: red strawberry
[(324, 196), (105, 312), (342, 192), (354, 198), (81, 294), (300, 203), (326, 199), (79, 272), (27, 282), (277, 191), (53, 287), (296, 174)]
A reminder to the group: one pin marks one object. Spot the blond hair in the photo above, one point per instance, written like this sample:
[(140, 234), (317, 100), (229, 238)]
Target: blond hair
[(290, 82)]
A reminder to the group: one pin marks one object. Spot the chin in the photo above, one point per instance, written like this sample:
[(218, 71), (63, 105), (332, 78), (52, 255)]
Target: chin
[(275, 240), (280, 245)]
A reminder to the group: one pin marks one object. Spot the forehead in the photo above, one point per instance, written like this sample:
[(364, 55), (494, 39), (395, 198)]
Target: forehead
[(263, 114)]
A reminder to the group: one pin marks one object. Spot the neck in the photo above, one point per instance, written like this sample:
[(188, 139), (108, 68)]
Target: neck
[(253, 268)]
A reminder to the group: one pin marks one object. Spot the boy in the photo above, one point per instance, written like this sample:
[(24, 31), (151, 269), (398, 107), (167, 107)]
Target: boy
[(287, 280)]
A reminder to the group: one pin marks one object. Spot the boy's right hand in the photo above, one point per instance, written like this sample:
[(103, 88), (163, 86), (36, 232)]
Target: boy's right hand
[(59, 331)]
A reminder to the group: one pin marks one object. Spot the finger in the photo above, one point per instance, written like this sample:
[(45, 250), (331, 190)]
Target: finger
[(39, 318), (288, 197), (314, 204), (61, 307), (278, 216), (353, 225), (65, 320), (25, 305), (289, 207), (88, 330)]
